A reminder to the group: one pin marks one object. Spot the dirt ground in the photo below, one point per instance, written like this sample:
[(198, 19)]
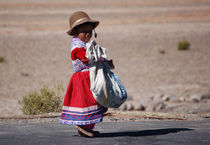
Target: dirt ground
[(135, 32)]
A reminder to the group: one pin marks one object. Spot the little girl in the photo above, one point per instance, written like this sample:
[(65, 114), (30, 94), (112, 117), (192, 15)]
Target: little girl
[(79, 106)]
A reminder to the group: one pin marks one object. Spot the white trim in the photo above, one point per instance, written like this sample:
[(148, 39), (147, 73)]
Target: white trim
[(95, 120), (70, 122), (78, 113), (76, 109)]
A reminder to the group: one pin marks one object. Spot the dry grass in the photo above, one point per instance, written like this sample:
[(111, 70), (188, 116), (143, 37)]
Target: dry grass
[(44, 102), (2, 59)]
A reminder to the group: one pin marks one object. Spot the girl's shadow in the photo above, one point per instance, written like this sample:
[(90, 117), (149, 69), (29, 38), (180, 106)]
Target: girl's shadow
[(145, 132)]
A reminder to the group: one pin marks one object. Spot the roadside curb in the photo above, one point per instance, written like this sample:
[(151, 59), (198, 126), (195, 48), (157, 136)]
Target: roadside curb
[(114, 115)]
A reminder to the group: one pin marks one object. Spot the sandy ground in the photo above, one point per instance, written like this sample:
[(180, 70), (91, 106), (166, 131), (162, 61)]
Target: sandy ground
[(36, 48)]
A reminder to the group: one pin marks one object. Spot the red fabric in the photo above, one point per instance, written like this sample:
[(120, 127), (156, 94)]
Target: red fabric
[(80, 54), (90, 126), (78, 93)]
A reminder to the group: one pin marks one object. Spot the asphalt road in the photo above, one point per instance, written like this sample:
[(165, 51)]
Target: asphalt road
[(112, 133)]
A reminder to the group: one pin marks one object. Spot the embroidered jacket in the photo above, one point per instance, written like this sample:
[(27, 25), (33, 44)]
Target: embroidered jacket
[(78, 51)]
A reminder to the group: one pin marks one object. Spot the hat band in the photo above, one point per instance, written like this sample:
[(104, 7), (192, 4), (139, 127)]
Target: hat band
[(78, 21)]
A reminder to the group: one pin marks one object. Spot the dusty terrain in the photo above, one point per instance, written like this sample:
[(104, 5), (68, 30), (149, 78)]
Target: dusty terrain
[(36, 48)]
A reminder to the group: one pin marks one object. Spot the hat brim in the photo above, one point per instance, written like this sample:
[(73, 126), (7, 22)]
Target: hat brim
[(94, 22)]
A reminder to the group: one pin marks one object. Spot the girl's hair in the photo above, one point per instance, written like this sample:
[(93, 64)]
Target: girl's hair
[(75, 31)]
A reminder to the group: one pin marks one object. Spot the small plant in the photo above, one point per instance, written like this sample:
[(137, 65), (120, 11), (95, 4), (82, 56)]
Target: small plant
[(2, 59), (44, 102), (183, 45)]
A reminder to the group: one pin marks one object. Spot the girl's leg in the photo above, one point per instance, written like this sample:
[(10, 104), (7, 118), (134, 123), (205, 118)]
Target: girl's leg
[(90, 126), (86, 130)]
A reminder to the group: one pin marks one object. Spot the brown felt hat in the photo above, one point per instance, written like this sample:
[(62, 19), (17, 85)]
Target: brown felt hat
[(78, 18)]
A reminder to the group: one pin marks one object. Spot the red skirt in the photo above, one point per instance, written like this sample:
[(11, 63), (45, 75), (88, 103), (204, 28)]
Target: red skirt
[(79, 106)]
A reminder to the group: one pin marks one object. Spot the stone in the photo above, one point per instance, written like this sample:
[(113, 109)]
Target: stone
[(205, 96), (161, 95), (136, 105), (151, 97), (139, 107), (160, 106), (130, 106), (129, 98), (158, 97), (166, 98), (24, 74), (173, 98), (156, 106), (149, 108), (194, 99), (123, 107), (182, 99), (161, 50)]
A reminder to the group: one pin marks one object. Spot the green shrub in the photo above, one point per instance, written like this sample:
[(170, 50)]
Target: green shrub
[(2, 59), (44, 102), (183, 45)]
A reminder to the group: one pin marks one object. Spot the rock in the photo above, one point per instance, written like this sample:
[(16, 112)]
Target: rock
[(136, 105), (127, 106), (172, 98), (189, 98), (194, 99), (123, 107), (158, 97), (130, 106), (166, 98), (24, 74), (161, 95), (151, 97), (149, 108), (129, 98), (139, 107), (161, 50), (205, 97), (160, 106), (182, 99), (156, 106)]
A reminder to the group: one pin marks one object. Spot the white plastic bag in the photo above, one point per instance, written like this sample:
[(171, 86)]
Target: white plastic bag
[(105, 85)]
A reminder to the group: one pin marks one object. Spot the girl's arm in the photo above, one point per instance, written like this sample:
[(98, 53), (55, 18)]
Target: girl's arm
[(79, 53)]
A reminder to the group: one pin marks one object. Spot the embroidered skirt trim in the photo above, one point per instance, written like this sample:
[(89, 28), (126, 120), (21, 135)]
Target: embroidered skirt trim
[(82, 116)]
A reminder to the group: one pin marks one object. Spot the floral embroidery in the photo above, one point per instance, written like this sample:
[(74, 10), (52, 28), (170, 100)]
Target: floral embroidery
[(82, 118), (77, 64)]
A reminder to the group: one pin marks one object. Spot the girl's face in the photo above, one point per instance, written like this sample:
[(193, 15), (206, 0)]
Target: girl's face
[(85, 32)]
